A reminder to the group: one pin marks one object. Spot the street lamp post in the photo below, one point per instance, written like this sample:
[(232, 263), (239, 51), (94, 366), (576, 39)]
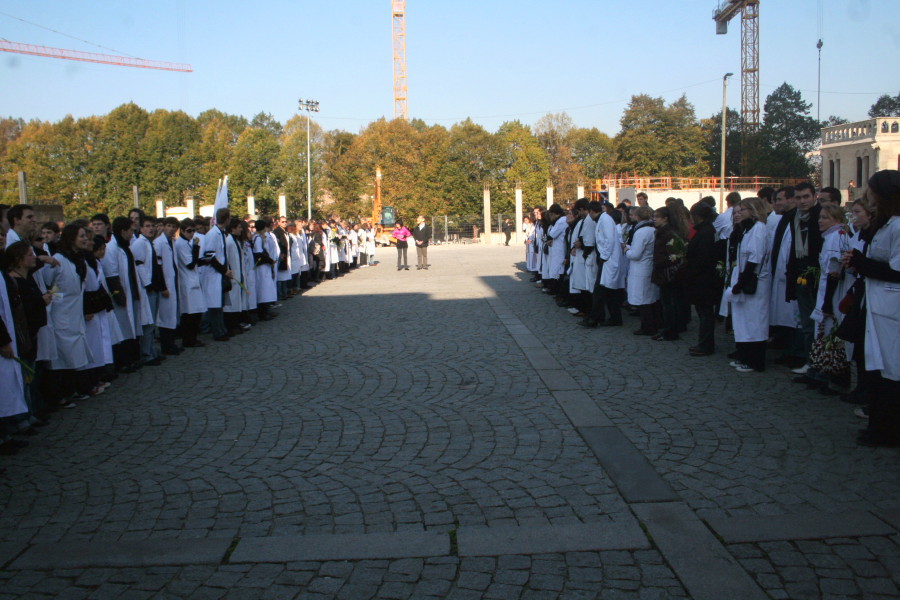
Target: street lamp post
[(308, 105), (722, 161)]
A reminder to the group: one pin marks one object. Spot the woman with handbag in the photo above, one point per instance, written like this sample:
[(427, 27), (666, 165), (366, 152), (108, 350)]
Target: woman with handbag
[(881, 268), (853, 327), (828, 362), (749, 291)]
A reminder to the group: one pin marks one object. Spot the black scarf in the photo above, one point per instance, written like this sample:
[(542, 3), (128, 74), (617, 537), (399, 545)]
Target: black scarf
[(77, 259), (132, 273)]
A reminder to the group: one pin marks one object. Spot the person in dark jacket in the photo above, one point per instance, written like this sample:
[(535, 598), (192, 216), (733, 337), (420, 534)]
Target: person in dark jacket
[(700, 278)]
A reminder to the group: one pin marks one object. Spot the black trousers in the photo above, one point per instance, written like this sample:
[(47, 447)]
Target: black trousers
[(884, 408), (706, 334), (752, 354), (190, 328)]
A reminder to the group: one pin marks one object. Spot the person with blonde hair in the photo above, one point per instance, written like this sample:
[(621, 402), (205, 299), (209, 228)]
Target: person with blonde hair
[(749, 288)]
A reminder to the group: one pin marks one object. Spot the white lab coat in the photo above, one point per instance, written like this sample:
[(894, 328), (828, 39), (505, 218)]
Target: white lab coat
[(248, 301), (46, 341), (556, 259), (232, 301), (129, 326), (12, 392), (882, 347), (781, 312), (265, 275), (612, 275), (750, 313), (97, 330), (294, 245), (68, 318), (212, 246), (142, 251), (834, 244), (584, 270), (191, 300), (724, 224), (167, 313), (531, 260), (641, 290)]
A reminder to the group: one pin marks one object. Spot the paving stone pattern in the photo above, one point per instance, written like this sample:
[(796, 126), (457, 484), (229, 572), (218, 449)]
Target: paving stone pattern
[(400, 402)]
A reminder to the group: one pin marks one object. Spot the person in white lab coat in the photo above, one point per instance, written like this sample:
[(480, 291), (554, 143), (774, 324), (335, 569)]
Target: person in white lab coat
[(167, 310), (265, 262), (881, 268), (149, 277), (555, 249), (583, 259), (216, 282), (191, 300), (67, 381), (122, 281), (642, 292), (749, 291)]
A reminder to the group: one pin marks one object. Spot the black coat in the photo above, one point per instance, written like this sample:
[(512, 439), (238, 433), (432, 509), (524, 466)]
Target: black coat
[(422, 235), (702, 282)]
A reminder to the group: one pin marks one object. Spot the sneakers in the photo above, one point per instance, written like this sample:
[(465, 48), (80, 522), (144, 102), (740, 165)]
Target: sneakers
[(745, 369), (573, 311), (801, 370), (862, 412)]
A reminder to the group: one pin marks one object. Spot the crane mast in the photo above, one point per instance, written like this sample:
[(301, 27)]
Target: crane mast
[(398, 18), (106, 59)]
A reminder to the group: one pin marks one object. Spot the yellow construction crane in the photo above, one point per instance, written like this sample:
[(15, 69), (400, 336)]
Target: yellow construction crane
[(398, 18), (749, 11)]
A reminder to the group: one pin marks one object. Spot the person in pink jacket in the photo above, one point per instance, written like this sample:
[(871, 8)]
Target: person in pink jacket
[(401, 234)]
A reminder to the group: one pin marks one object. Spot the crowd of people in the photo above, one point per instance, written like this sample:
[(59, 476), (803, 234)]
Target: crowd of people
[(83, 303), (791, 269)]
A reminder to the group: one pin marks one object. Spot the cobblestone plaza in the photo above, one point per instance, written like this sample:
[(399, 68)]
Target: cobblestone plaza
[(450, 433)]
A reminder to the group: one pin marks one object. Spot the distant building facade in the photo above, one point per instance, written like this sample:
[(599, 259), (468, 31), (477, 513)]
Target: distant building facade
[(854, 151)]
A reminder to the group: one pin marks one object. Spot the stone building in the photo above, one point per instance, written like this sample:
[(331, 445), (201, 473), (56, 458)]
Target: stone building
[(854, 151)]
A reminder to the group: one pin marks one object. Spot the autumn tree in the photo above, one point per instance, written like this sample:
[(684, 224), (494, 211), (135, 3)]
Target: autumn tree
[(253, 170), (119, 160), (170, 156), (788, 134), (522, 161), (292, 162)]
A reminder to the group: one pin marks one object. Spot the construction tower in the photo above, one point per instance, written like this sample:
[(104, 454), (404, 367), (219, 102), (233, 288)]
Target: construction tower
[(398, 17), (749, 10)]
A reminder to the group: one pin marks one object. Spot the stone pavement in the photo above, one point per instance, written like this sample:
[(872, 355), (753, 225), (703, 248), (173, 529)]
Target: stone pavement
[(435, 434)]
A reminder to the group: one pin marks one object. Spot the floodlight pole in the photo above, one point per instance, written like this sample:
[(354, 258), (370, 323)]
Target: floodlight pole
[(308, 105), (722, 161)]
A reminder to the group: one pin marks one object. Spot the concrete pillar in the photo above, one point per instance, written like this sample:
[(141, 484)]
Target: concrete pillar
[(160, 208), (191, 209), (251, 205), (282, 205), (518, 233), (549, 195), (137, 196), (580, 191), (487, 214), (23, 188)]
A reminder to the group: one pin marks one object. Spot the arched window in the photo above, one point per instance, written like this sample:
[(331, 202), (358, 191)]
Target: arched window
[(895, 127), (884, 127)]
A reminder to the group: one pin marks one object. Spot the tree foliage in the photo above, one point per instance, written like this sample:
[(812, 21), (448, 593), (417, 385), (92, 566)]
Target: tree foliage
[(886, 106), (91, 164)]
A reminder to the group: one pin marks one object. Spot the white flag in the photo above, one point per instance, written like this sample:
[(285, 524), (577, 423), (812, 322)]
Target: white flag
[(221, 200)]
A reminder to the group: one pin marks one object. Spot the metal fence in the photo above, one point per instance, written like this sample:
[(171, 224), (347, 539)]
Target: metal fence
[(464, 229)]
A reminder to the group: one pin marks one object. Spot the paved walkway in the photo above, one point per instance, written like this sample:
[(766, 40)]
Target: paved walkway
[(435, 434)]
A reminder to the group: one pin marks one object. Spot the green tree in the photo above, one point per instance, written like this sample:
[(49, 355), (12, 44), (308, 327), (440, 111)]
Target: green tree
[(553, 131), (119, 160), (788, 134), (219, 134), (169, 153), (522, 161), (472, 159), (292, 162), (886, 106), (712, 135), (656, 139), (593, 152), (253, 171)]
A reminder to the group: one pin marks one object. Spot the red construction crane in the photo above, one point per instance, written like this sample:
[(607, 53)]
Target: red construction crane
[(106, 59)]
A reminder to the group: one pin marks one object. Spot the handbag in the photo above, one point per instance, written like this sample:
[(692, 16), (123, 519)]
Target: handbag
[(853, 327), (750, 284), (828, 355)]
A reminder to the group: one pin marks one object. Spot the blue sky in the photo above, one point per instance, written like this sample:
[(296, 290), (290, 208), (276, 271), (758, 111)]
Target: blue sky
[(491, 60)]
